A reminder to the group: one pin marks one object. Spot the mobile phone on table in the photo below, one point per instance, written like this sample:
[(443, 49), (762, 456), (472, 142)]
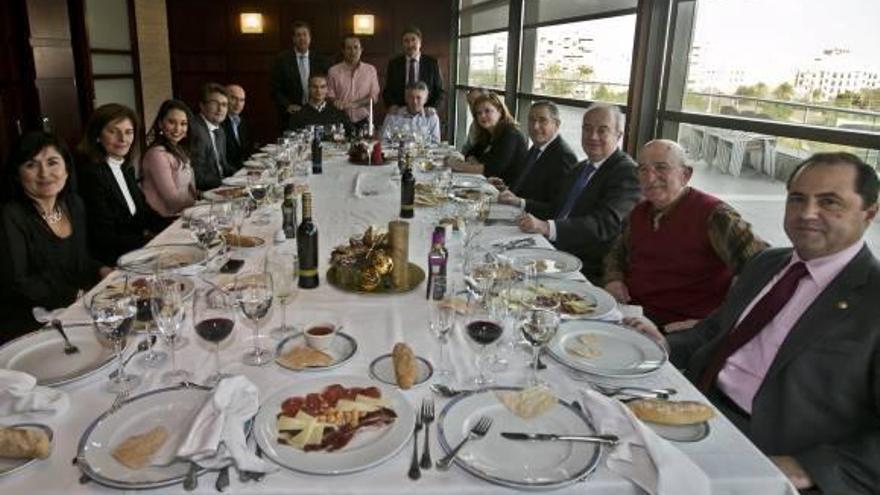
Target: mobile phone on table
[(232, 266)]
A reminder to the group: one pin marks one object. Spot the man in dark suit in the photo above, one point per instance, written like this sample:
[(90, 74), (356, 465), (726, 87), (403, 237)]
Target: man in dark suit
[(410, 67), (792, 357), (209, 141), (585, 216), (290, 73), (548, 161), (239, 145)]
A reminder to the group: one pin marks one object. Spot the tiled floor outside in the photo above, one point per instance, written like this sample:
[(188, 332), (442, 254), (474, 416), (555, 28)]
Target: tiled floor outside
[(760, 200)]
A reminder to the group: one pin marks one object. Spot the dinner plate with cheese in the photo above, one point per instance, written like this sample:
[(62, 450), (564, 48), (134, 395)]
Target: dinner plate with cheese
[(333, 425), (606, 349)]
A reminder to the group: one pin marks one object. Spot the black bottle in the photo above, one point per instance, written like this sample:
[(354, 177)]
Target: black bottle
[(307, 246), (317, 152), (407, 193)]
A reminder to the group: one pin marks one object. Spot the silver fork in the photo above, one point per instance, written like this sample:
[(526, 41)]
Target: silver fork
[(120, 398), (68, 347), (427, 417), (478, 431), (414, 471)]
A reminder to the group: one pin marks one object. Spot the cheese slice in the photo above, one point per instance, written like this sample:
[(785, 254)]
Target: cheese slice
[(380, 402), (354, 405)]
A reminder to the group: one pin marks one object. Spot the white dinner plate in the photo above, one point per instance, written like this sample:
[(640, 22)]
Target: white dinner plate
[(9, 466), (172, 408), (342, 350), (498, 211), (620, 352), (604, 302), (368, 448), (382, 369), (468, 181), (681, 433), (531, 465), (235, 180), (183, 259), (223, 193), (550, 262), (41, 354)]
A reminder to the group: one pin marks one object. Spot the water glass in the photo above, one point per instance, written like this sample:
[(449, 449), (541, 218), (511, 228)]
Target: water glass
[(539, 327), (113, 314), (254, 294), (283, 263), (441, 311), (168, 305)]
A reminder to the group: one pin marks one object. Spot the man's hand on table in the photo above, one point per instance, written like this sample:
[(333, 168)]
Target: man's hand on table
[(530, 224), (619, 290), (498, 183), (646, 327), (508, 198), (793, 470)]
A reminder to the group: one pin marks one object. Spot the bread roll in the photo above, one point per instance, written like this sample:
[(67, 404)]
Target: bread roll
[(405, 366), (137, 450), (24, 443), (669, 412)]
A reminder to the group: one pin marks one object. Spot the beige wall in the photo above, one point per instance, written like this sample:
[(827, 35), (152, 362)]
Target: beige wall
[(155, 61)]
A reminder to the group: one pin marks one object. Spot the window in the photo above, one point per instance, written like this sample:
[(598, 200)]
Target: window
[(483, 59)]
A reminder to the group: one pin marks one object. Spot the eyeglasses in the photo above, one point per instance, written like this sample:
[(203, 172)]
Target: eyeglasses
[(221, 104)]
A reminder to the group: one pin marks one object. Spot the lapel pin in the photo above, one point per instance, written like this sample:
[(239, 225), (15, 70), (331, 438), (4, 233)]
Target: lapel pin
[(842, 305)]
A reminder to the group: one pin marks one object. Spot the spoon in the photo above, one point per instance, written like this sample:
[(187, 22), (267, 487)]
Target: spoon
[(142, 346), (446, 391)]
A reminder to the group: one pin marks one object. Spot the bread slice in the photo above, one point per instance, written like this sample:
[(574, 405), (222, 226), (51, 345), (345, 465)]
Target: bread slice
[(137, 450), (304, 357), (669, 412)]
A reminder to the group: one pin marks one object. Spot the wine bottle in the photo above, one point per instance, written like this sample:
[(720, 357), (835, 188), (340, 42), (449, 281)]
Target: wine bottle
[(288, 213), (317, 152), (307, 246), (436, 264), (407, 193)]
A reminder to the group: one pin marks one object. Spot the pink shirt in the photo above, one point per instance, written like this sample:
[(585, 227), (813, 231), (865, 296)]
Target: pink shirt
[(166, 182), (745, 369), (345, 86)]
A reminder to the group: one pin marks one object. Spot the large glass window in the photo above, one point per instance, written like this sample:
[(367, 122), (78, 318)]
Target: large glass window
[(483, 60)]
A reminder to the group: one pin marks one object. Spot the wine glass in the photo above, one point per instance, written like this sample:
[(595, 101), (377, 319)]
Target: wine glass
[(113, 314), (204, 229), (441, 309), (283, 263), (258, 190), (168, 305), (484, 330), (214, 317), (254, 296), (539, 328)]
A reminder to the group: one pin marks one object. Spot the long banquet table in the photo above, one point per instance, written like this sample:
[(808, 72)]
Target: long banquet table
[(732, 463)]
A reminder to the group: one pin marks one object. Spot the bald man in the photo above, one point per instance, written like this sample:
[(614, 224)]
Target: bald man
[(239, 145), (680, 247)]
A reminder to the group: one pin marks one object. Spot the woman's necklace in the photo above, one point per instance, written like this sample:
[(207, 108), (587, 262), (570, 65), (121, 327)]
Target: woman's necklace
[(54, 217)]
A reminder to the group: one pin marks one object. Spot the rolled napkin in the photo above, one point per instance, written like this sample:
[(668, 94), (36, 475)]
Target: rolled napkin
[(216, 438), (24, 443), (19, 394), (652, 463)]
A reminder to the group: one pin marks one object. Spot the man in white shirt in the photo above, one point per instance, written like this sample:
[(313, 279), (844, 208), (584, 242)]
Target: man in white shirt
[(414, 117)]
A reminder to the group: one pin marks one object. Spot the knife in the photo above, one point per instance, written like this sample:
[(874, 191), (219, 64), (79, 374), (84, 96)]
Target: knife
[(603, 439)]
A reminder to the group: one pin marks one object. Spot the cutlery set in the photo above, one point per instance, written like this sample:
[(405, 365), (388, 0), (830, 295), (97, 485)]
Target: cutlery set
[(424, 418)]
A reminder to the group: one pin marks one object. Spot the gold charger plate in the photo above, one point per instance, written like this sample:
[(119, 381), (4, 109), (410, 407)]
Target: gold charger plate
[(416, 276)]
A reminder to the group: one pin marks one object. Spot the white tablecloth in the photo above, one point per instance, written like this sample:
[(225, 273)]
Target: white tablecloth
[(733, 464)]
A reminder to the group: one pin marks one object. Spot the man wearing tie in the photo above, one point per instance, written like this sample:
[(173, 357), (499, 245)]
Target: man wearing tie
[(585, 216), (410, 67), (549, 160), (290, 73), (238, 137), (792, 356), (209, 144)]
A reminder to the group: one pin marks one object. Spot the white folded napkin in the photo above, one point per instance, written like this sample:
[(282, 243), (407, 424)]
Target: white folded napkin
[(652, 463), (216, 437), (373, 184), (19, 394)]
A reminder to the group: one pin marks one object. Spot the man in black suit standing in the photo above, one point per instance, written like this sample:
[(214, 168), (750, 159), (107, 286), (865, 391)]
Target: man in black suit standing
[(586, 215), (549, 160), (209, 141), (238, 134), (792, 356), (290, 73), (410, 67)]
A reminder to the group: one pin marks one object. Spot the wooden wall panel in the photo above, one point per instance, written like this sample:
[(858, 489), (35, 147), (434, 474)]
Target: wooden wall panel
[(206, 44)]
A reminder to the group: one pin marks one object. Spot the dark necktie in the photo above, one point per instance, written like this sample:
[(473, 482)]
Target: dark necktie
[(411, 72), (750, 326), (218, 144), (531, 159), (575, 192)]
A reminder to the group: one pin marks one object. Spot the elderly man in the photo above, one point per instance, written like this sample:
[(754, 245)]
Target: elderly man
[(548, 160), (791, 356), (680, 248), (409, 68), (289, 76), (239, 145), (586, 215), (318, 111), (352, 84), (209, 141), (421, 120)]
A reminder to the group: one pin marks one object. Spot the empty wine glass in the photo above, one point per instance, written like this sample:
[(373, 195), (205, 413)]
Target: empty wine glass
[(484, 330), (113, 314), (214, 317), (539, 328), (169, 312), (283, 263), (441, 309), (258, 190), (254, 295)]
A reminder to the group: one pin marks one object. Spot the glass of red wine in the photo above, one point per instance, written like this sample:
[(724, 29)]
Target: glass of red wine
[(484, 329), (214, 317)]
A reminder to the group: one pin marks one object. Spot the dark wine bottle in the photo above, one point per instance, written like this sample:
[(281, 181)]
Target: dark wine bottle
[(407, 193), (307, 246), (288, 212), (317, 152), (436, 265)]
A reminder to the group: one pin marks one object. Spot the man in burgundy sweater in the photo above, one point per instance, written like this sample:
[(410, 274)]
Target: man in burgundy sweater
[(680, 247)]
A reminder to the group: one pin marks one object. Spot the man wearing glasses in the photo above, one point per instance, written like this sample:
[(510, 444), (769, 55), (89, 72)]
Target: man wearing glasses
[(209, 148)]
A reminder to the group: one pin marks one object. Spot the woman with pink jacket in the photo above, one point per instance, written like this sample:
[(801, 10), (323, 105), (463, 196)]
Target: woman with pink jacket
[(166, 173)]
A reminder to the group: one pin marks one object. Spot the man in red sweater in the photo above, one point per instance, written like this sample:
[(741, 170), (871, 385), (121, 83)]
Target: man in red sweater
[(680, 247)]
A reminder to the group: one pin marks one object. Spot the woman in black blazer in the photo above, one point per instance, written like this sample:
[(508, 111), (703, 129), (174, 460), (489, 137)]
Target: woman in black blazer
[(119, 219), (499, 147)]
